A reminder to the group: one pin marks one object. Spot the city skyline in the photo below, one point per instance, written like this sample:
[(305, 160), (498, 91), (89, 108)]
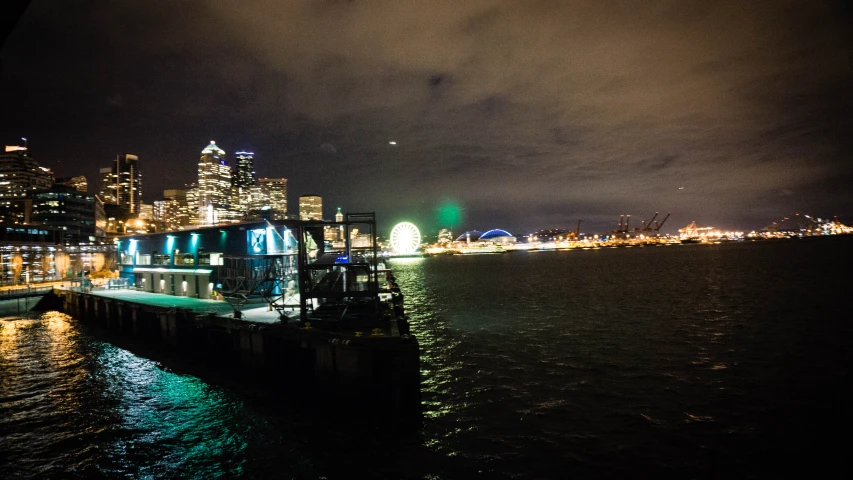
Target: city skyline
[(727, 114), (255, 195)]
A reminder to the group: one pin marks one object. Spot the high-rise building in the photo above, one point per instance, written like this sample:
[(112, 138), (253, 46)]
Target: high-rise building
[(192, 203), (146, 211), (172, 212), (214, 186), (310, 207), (244, 178), (129, 182), (66, 208), (107, 186), (121, 183), (20, 174), (273, 195)]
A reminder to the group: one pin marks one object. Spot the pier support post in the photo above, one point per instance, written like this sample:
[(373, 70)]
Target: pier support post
[(134, 320), (168, 328), (96, 309)]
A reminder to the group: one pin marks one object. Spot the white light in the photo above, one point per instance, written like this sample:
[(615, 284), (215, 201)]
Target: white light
[(392, 143), (405, 238)]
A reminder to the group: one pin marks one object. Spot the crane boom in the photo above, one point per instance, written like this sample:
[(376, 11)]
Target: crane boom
[(649, 223), (662, 222)]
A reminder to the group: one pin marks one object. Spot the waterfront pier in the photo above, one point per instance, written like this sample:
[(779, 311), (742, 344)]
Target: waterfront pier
[(271, 298), (376, 369)]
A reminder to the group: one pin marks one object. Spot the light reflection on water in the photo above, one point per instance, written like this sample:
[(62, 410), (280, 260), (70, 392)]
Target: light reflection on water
[(594, 363), (74, 405)]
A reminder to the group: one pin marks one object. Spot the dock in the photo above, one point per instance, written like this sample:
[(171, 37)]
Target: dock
[(379, 368)]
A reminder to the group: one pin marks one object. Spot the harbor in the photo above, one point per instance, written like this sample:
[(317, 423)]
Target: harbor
[(268, 300)]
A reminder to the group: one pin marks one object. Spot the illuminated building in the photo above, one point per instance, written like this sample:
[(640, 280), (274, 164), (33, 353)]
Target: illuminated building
[(192, 203), (107, 188), (66, 209), (20, 174), (271, 197), (244, 179), (15, 211), (186, 263), (121, 183), (310, 207), (172, 213), (214, 186), (129, 182), (146, 211), (339, 232)]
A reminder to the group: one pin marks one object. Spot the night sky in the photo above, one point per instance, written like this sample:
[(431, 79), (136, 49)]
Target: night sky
[(523, 115)]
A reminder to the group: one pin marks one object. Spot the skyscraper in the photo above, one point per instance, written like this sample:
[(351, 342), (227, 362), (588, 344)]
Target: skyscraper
[(273, 196), (214, 186), (66, 208), (121, 183), (20, 174), (172, 213), (244, 176), (107, 186), (192, 203), (129, 177), (310, 207)]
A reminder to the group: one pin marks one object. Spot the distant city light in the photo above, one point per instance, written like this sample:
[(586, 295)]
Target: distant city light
[(392, 143)]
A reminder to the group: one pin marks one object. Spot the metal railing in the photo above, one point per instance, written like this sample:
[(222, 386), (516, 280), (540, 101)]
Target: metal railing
[(25, 291)]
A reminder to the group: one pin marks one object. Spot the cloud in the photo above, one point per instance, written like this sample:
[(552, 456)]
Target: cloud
[(511, 107)]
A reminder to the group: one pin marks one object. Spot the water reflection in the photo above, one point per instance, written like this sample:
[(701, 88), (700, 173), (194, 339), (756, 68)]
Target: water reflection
[(75, 405)]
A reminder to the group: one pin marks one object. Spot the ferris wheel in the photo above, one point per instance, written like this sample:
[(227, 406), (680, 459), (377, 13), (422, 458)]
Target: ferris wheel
[(405, 238)]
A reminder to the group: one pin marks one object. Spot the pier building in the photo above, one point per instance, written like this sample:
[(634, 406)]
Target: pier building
[(284, 263), (185, 262)]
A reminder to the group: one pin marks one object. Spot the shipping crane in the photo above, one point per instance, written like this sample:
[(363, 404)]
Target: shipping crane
[(657, 229)]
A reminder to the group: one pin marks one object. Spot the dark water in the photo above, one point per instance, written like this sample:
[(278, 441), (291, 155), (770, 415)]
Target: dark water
[(687, 361)]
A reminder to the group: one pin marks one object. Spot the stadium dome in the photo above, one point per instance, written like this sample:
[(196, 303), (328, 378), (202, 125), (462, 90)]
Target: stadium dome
[(498, 236), (495, 233)]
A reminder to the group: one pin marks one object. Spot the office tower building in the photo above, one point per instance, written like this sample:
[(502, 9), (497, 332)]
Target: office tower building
[(172, 213), (214, 186), (244, 179), (107, 186), (192, 203), (129, 178), (146, 211), (273, 196), (66, 208), (121, 183), (310, 207), (20, 174)]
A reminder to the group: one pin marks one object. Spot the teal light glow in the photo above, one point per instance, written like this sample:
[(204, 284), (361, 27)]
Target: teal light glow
[(170, 243), (257, 240), (131, 248)]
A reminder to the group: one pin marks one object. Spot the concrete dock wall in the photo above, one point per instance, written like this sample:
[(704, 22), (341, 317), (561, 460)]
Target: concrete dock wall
[(382, 372)]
